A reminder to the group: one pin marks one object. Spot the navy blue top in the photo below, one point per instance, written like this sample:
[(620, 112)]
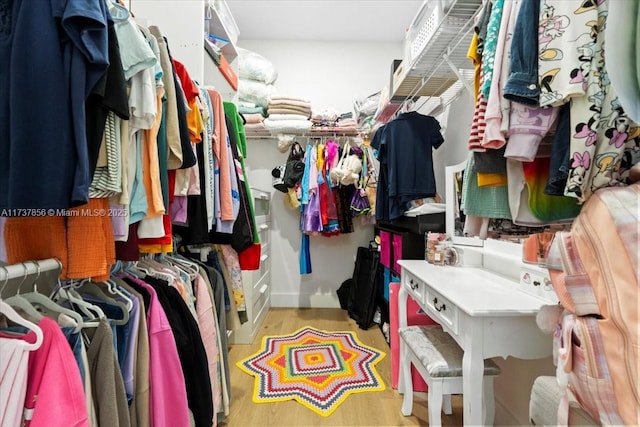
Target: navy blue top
[(53, 53), (406, 164)]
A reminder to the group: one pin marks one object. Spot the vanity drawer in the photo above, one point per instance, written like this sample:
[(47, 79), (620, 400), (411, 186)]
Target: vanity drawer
[(416, 288), (442, 310), (536, 281)]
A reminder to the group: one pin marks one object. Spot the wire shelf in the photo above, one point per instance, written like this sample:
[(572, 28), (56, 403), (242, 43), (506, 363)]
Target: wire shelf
[(430, 73)]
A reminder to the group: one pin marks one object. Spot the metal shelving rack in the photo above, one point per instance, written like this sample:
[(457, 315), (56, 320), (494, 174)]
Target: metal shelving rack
[(442, 65)]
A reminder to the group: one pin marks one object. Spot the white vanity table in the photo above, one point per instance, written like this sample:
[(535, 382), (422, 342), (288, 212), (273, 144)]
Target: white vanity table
[(488, 314)]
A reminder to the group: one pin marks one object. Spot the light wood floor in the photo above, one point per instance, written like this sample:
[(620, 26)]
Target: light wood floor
[(360, 409)]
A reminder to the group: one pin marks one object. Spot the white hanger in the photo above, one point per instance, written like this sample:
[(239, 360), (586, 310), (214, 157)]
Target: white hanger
[(11, 314), (114, 289), (91, 311), (191, 267), (95, 290), (154, 271), (17, 301)]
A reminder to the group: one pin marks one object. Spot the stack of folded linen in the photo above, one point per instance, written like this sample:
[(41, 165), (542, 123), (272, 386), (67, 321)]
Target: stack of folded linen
[(282, 104), (254, 126), (288, 114), (254, 120), (347, 125)]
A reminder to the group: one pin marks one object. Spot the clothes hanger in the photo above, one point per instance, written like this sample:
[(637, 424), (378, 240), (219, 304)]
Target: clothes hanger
[(191, 267), (93, 313), (115, 290), (17, 301), (46, 304), (93, 289), (12, 315), (113, 287), (118, 12), (159, 271)]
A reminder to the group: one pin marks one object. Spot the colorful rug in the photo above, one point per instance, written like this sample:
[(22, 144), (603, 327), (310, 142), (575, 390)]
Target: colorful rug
[(316, 368)]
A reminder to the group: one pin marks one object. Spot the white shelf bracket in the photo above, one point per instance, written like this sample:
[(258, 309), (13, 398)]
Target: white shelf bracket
[(457, 72)]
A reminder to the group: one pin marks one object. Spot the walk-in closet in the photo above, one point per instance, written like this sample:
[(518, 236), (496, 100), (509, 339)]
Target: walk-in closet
[(248, 213)]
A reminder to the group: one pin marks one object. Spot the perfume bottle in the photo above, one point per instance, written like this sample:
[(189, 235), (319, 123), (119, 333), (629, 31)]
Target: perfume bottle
[(439, 254)]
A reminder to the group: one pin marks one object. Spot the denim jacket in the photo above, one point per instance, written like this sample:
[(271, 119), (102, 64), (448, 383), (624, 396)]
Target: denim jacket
[(522, 85)]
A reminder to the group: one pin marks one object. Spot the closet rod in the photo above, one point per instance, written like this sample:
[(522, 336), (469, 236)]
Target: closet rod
[(28, 270)]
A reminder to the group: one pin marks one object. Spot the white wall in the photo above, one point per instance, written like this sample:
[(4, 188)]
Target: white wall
[(456, 123), (330, 75)]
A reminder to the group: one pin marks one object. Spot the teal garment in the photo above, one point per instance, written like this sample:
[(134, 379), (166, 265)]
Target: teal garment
[(489, 52), (163, 156), (487, 202), (138, 203), (305, 255), (252, 110)]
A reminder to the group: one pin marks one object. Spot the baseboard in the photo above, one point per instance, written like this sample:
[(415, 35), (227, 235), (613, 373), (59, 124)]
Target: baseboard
[(504, 416), (290, 300)]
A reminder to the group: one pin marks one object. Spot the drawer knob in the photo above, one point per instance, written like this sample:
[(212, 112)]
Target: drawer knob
[(435, 305), (413, 285)]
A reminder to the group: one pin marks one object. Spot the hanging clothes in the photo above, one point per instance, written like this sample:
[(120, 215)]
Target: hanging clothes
[(167, 392), (72, 56), (405, 148), (107, 378)]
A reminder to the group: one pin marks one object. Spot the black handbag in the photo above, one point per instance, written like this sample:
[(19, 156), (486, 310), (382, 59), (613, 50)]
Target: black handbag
[(367, 276), (295, 166)]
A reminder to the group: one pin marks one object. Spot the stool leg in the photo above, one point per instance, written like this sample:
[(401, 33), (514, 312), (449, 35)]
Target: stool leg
[(489, 404), (402, 356), (405, 380), (435, 402), (446, 404)]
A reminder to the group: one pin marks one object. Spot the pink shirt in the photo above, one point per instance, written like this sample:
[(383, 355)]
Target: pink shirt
[(55, 392), (167, 393), (208, 332)]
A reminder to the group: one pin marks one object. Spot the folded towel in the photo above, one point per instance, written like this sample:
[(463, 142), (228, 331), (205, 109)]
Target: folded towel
[(288, 117), (289, 98), (347, 122), (253, 118), (288, 103), (251, 110), (254, 126), (291, 125), (290, 110)]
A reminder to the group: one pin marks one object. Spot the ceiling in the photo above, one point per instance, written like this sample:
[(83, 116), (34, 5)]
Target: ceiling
[(324, 20)]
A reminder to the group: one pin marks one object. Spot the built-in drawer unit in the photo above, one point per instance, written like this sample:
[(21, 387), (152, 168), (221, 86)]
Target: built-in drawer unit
[(257, 283)]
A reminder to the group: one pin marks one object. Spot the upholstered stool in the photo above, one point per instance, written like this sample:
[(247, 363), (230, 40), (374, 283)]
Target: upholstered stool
[(438, 359)]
